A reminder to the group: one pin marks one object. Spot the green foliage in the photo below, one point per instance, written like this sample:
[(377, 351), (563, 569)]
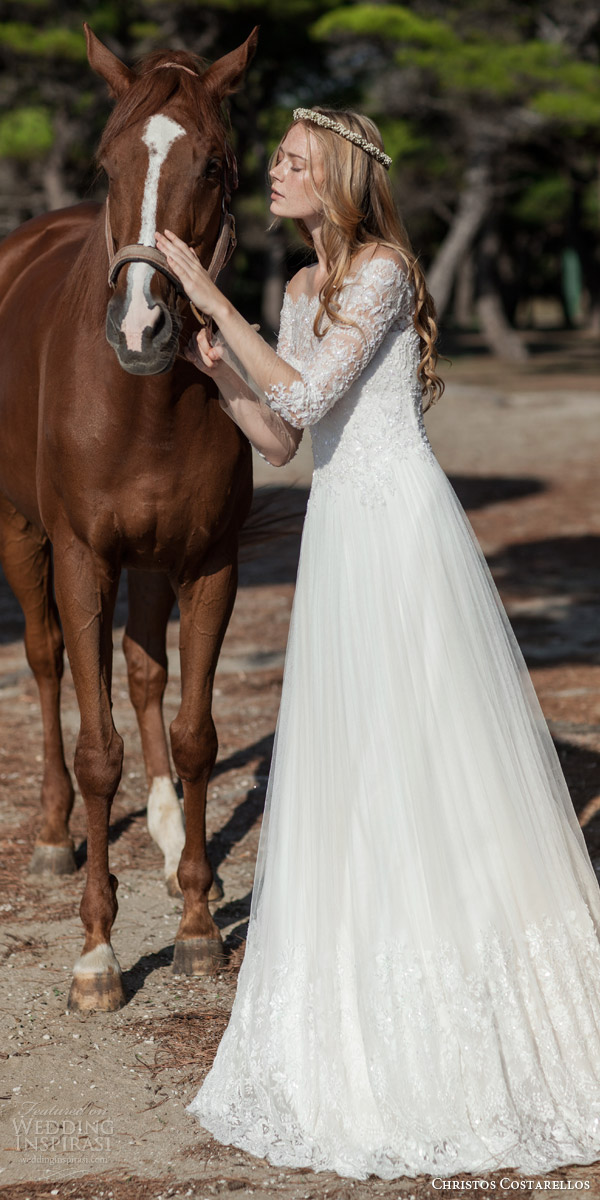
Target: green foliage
[(576, 110), (542, 75), (488, 69), (42, 43), (544, 200), (145, 29), (25, 133), (83, 103), (272, 123), (103, 18), (440, 79), (402, 139), (392, 22)]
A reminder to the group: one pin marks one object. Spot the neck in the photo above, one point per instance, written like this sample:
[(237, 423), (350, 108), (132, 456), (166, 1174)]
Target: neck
[(315, 228)]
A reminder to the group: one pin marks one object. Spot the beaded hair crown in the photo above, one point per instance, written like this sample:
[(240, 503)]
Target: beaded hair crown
[(309, 114)]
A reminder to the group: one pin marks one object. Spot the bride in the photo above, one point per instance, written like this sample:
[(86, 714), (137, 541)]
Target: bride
[(420, 991)]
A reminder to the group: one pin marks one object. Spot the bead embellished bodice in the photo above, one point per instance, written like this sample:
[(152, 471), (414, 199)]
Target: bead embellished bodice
[(359, 392)]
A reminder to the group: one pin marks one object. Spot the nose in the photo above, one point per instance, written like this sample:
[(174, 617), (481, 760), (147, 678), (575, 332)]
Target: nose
[(140, 327)]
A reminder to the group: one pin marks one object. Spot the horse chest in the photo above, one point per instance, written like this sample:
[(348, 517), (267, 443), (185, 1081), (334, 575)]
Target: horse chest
[(150, 505)]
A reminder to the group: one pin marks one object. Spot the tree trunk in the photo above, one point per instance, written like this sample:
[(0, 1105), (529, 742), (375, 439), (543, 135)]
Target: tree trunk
[(501, 338), (56, 190), (464, 292), (473, 206)]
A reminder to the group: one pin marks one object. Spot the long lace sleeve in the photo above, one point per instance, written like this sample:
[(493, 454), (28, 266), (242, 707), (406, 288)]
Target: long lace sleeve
[(242, 399), (285, 340), (373, 299)]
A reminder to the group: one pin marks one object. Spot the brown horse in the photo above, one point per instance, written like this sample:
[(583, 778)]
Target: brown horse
[(114, 453)]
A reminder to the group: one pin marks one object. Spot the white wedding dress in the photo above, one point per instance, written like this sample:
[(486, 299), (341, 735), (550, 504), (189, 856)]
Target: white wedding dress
[(420, 991)]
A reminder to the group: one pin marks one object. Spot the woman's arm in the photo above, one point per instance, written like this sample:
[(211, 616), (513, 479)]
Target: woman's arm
[(270, 434), (258, 358), (373, 299)]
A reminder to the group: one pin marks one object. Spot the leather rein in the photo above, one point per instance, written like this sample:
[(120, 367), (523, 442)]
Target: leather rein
[(226, 241)]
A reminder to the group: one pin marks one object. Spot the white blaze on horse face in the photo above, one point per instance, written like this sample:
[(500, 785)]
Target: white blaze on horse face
[(141, 311)]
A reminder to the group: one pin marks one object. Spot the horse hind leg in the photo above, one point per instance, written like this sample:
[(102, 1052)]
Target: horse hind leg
[(26, 558), (151, 600)]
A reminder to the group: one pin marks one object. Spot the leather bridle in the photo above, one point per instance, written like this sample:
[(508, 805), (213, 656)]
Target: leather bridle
[(226, 241)]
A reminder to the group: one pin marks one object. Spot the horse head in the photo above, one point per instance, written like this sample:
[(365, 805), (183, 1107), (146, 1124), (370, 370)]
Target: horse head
[(168, 163)]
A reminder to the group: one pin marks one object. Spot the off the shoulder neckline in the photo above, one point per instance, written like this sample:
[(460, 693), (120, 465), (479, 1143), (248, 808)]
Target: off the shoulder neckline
[(369, 262)]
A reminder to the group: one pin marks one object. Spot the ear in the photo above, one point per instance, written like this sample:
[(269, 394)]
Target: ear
[(226, 74), (102, 60)]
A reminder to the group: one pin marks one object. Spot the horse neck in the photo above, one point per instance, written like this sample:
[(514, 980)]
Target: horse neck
[(87, 284)]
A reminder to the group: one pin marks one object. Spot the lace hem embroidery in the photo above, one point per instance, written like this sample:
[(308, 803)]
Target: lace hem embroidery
[(416, 1065)]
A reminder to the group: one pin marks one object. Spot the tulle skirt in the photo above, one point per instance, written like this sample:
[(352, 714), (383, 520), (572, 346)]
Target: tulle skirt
[(420, 991)]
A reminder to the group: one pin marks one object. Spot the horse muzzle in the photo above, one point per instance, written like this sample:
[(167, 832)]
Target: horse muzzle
[(141, 328)]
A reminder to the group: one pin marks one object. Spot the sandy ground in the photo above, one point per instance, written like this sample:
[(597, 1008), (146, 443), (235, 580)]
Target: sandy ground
[(94, 1106)]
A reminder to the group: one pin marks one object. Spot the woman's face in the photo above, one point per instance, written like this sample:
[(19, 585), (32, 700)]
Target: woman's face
[(292, 191)]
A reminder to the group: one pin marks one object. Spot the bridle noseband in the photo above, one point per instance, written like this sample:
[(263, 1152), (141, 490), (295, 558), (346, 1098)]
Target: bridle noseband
[(226, 241)]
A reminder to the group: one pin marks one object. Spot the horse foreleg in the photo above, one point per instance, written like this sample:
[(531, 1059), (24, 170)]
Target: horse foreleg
[(205, 607), (86, 589), (151, 600), (27, 562)]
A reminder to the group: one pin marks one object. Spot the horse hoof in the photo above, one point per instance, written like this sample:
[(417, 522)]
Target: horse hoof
[(198, 956), (53, 860), (97, 982)]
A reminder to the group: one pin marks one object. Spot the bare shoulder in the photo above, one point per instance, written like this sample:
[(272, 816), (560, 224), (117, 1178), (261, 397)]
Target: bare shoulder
[(379, 252), (301, 283)]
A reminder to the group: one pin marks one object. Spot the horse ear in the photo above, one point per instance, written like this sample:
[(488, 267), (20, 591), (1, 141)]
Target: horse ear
[(226, 74), (105, 63)]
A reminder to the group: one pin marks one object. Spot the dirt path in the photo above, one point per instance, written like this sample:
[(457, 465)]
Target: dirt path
[(522, 448)]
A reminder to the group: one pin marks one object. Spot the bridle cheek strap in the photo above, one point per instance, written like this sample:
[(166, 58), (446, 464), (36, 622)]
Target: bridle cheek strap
[(226, 244)]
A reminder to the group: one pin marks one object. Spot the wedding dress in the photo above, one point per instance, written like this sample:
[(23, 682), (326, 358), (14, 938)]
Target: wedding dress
[(420, 991)]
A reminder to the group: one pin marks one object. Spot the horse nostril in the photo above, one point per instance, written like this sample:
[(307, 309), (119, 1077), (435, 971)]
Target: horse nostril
[(162, 329), (159, 321), (155, 317)]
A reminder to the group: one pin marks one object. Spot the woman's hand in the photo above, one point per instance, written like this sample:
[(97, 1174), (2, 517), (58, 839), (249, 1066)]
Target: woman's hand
[(202, 353), (196, 282)]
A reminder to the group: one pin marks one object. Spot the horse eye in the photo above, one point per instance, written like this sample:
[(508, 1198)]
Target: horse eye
[(212, 169)]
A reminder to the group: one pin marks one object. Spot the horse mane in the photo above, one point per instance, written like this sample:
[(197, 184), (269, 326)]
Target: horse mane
[(152, 89)]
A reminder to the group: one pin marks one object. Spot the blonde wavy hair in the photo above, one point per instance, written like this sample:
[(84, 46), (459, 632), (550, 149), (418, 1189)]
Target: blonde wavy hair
[(359, 210)]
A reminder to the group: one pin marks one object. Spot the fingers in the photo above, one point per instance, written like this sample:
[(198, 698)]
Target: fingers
[(204, 337), (200, 351), (204, 348), (179, 256), (186, 266), (174, 248), (210, 354), (174, 244), (194, 355)]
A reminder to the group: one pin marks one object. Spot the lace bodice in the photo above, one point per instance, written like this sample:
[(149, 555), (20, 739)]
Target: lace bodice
[(358, 391)]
